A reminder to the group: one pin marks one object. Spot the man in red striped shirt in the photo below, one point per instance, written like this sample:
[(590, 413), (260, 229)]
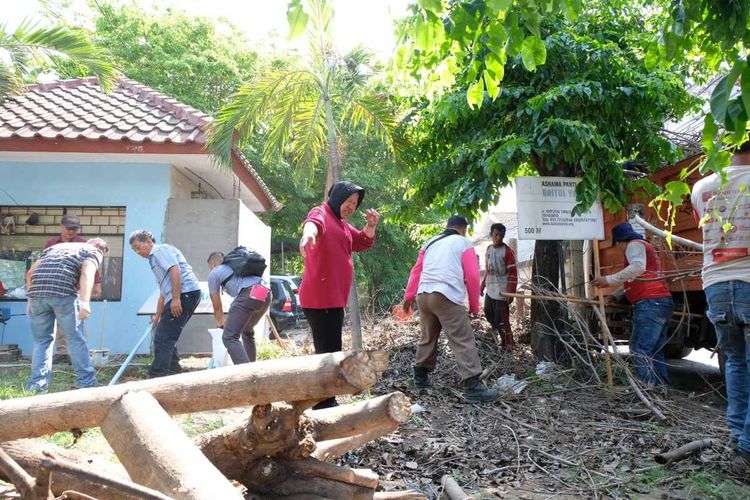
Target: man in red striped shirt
[(500, 278)]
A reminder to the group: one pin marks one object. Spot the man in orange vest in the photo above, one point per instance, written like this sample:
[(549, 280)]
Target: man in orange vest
[(646, 289)]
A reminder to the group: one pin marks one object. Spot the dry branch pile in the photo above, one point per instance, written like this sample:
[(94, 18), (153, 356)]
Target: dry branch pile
[(567, 435)]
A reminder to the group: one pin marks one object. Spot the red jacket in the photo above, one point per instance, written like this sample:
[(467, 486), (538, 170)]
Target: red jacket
[(650, 284), (328, 264)]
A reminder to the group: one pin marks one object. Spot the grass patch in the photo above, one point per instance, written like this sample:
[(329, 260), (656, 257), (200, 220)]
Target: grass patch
[(270, 350), (194, 424), (714, 485)]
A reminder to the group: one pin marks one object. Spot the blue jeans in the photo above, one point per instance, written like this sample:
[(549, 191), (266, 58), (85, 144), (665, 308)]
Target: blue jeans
[(168, 331), (729, 311), (44, 311), (650, 326)]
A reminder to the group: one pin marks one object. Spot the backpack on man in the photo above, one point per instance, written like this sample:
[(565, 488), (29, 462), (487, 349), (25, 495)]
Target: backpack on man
[(245, 262)]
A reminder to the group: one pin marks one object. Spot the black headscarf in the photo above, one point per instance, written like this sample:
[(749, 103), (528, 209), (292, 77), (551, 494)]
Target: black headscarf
[(339, 192)]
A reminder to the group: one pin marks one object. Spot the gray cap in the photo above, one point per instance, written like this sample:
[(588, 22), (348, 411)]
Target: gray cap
[(71, 221)]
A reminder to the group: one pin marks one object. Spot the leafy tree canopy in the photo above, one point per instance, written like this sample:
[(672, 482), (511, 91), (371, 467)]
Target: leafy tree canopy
[(593, 103), (193, 59)]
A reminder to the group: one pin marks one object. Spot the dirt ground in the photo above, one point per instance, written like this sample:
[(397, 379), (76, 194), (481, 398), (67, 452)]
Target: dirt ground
[(563, 436)]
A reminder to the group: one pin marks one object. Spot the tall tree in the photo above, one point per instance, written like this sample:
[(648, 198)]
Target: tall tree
[(592, 104), (31, 46), (302, 108)]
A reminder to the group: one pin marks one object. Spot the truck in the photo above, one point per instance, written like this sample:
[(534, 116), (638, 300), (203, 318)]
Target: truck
[(690, 328)]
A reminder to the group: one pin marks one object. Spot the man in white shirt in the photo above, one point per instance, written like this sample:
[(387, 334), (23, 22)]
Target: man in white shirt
[(723, 212)]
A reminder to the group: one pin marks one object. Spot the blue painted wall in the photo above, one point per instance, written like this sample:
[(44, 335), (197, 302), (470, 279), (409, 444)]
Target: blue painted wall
[(142, 188)]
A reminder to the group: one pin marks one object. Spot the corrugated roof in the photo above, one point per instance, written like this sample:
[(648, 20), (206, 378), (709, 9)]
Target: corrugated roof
[(78, 109)]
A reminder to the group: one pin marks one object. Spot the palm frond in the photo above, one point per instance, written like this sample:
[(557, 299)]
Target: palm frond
[(30, 43), (309, 140), (269, 102), (374, 114)]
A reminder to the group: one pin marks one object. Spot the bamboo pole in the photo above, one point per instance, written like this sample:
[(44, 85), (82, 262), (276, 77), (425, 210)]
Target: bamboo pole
[(605, 330), (578, 300)]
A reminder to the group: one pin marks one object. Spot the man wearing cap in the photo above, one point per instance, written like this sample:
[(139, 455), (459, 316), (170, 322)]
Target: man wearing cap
[(644, 287), (59, 288), (70, 225)]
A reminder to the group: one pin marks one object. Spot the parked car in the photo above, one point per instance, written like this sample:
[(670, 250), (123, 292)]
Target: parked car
[(285, 310)]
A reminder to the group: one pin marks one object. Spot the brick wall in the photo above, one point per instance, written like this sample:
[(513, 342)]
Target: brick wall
[(94, 220)]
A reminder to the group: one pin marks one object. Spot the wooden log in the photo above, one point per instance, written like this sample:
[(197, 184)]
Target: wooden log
[(452, 490), (157, 454), (334, 448), (280, 431), (315, 468), (29, 454), (684, 450), (388, 411), (290, 379), (325, 488), (21, 479), (399, 495)]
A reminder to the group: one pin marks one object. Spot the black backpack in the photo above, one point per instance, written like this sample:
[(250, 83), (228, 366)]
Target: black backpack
[(245, 262)]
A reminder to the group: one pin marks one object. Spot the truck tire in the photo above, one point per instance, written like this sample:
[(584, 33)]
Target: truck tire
[(673, 351)]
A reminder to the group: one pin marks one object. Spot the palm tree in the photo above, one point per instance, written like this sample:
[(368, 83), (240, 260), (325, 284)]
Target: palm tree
[(31, 45), (300, 111)]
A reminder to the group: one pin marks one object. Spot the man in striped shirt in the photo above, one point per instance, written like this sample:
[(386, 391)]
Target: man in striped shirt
[(59, 288)]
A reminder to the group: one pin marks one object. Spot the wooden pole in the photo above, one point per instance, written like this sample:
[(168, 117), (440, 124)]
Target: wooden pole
[(290, 379), (600, 296), (157, 454)]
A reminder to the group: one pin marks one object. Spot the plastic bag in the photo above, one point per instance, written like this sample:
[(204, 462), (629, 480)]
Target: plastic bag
[(220, 357)]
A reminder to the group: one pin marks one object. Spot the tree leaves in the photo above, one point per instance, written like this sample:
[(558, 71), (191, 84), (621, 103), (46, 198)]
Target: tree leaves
[(434, 6), (475, 94), (723, 92), (533, 53), (429, 32), (297, 18)]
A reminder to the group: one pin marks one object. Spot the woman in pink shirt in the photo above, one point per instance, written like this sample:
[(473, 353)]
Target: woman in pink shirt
[(327, 243)]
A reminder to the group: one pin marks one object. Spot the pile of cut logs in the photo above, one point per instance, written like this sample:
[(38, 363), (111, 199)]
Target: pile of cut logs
[(282, 450)]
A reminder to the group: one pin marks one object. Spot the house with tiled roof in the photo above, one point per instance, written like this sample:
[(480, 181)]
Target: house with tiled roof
[(130, 159)]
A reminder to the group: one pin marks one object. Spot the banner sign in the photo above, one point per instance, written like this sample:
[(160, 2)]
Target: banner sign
[(544, 205)]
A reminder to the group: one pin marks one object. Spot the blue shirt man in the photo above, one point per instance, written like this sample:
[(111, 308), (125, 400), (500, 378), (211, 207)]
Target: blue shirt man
[(179, 295)]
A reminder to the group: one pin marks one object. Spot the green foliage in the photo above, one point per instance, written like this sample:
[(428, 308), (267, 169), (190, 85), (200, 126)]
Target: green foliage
[(479, 35), (299, 109), (594, 103), (32, 46), (192, 59), (270, 350)]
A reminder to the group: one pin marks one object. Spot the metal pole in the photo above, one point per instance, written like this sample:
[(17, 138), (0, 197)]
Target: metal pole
[(137, 346)]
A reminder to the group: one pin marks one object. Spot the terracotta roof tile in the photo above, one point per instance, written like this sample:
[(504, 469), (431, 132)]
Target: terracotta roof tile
[(79, 109)]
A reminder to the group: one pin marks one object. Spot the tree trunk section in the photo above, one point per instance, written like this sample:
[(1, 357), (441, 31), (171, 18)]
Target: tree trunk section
[(546, 315), (28, 453), (157, 454), (283, 431), (384, 412), (296, 379)]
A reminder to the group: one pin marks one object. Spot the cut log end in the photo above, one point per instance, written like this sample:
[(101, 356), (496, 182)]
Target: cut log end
[(399, 408), (362, 368)]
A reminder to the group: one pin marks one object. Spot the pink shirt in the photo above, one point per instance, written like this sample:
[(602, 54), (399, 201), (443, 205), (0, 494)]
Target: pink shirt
[(328, 264), (450, 266)]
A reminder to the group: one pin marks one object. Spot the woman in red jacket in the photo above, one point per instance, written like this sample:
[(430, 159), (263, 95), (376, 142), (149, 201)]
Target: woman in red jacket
[(327, 243)]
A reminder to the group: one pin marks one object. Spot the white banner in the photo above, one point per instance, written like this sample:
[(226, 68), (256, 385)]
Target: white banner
[(544, 205)]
